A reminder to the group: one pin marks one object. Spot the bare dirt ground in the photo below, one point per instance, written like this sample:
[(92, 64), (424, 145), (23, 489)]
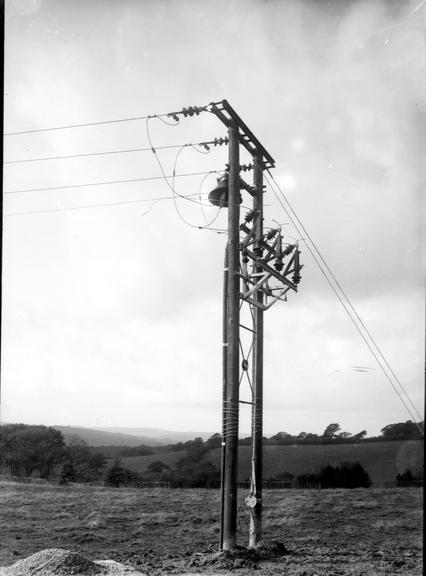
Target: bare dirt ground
[(159, 531)]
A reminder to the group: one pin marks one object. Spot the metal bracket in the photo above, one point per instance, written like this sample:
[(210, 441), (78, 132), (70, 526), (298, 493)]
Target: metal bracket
[(226, 114)]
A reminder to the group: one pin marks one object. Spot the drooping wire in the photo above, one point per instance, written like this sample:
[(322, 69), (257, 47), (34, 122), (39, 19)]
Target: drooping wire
[(175, 123), (106, 182), (172, 186), (344, 300), (203, 179), (200, 150), (207, 224)]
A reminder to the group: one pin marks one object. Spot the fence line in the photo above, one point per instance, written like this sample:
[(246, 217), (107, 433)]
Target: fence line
[(285, 485)]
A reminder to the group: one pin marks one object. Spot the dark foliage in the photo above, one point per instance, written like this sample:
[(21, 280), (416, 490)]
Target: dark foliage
[(403, 431), (190, 474), (192, 471), (214, 441), (122, 451), (331, 435), (331, 431), (281, 480), (308, 480), (87, 464), (25, 450), (67, 473), (348, 475), (408, 479), (157, 467), (116, 475)]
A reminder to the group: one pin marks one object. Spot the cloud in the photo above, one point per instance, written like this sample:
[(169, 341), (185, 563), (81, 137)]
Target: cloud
[(121, 305)]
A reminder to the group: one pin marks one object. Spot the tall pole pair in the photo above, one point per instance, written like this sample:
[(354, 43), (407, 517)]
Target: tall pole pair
[(260, 269), (231, 359)]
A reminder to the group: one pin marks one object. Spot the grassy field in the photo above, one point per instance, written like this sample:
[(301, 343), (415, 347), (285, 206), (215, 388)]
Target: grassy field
[(382, 460), (328, 532)]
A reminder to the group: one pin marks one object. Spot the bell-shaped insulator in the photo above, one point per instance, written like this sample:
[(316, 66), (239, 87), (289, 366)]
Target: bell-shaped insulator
[(219, 196)]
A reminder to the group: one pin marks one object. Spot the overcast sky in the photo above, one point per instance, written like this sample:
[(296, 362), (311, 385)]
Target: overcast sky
[(112, 315)]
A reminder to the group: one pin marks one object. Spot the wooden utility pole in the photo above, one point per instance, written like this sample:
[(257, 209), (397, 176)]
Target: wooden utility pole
[(255, 274), (231, 407), (255, 533), (224, 387)]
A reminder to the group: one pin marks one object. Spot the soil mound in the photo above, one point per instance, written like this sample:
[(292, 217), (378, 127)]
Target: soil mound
[(57, 562), (240, 557)]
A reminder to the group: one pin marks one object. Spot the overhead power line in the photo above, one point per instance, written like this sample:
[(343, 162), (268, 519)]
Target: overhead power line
[(107, 182), (98, 205), (206, 145), (84, 125), (190, 111), (347, 304)]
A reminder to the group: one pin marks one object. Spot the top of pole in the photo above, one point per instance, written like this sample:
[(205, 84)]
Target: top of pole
[(224, 111)]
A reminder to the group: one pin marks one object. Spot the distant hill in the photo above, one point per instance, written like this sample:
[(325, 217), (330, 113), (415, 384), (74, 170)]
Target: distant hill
[(159, 435), (119, 436), (382, 460), (105, 438)]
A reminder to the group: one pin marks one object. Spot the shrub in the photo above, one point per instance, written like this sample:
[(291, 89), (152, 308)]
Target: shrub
[(309, 480), (285, 478), (157, 467), (88, 465), (407, 478), (116, 476), (188, 474), (67, 473), (347, 475)]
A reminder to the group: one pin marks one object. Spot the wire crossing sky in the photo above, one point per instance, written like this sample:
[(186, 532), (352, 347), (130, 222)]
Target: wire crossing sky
[(117, 311)]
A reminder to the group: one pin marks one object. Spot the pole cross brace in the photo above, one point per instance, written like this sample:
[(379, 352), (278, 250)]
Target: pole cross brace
[(271, 271), (265, 307), (264, 278)]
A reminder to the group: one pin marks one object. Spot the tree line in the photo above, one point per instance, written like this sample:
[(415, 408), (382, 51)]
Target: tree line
[(333, 434), (190, 471), (41, 451)]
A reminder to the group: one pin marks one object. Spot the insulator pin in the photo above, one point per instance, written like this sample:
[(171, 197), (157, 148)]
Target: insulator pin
[(249, 216), (272, 233)]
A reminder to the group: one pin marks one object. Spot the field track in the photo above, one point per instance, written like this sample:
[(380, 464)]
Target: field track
[(328, 532)]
